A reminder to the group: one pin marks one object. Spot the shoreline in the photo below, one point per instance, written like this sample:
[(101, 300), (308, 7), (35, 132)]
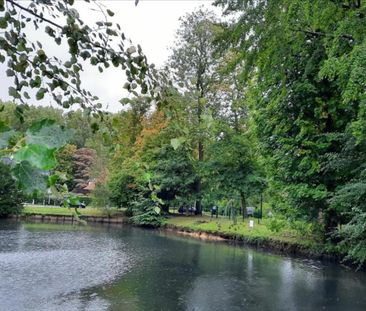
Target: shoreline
[(70, 218), (273, 246), (268, 244)]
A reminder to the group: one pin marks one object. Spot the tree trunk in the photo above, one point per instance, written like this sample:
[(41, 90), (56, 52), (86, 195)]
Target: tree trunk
[(200, 153), (243, 205)]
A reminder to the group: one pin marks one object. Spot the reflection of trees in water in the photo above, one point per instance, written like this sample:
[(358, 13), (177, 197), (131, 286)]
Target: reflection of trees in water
[(164, 274), (175, 273)]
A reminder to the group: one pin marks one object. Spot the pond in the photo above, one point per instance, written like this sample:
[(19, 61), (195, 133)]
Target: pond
[(65, 267)]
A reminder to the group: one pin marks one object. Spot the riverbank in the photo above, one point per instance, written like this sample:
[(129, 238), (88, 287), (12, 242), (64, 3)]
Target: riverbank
[(66, 215), (285, 241)]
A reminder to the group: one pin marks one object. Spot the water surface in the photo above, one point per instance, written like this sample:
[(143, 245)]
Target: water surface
[(65, 267)]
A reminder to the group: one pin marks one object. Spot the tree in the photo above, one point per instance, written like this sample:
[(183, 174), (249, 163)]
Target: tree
[(34, 68), (83, 161), (175, 176), (232, 170), (193, 66), (295, 60), (123, 190), (65, 159), (10, 195), (303, 63)]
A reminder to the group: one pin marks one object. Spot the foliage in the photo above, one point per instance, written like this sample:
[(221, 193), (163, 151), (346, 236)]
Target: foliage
[(192, 66), (33, 154), (302, 63), (123, 190), (64, 157), (33, 67), (349, 201), (260, 231), (276, 224), (82, 161), (354, 237), (10, 195), (147, 213), (268, 104), (176, 177), (231, 167)]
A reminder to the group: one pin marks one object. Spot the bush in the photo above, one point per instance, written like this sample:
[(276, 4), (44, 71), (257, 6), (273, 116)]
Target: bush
[(10, 196), (275, 224), (147, 213), (123, 190), (354, 238), (303, 227)]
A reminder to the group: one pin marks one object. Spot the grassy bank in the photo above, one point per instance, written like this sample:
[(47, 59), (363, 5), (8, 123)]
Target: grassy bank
[(62, 211), (285, 240)]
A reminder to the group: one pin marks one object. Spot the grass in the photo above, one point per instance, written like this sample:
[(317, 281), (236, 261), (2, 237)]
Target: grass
[(260, 234), (222, 225), (62, 211)]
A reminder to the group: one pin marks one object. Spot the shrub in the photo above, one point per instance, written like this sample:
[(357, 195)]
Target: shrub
[(146, 213), (275, 224), (10, 195)]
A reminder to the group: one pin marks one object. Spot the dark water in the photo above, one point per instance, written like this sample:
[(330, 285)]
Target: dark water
[(61, 267)]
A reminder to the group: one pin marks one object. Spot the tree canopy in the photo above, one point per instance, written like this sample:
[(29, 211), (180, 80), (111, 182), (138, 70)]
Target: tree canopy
[(266, 102)]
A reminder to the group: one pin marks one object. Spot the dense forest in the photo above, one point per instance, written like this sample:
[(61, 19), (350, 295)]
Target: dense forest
[(262, 106)]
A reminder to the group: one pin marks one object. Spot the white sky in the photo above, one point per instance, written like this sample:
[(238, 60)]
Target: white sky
[(152, 24)]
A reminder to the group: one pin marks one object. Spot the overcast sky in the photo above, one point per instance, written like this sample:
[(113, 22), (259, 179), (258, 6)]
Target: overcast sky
[(151, 23)]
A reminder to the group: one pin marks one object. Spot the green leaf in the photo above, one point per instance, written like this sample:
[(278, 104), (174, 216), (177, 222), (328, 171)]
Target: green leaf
[(110, 13), (3, 21), (36, 82), (26, 95), (177, 142), (30, 178), (72, 200), (10, 73), (37, 155), (13, 92), (52, 180), (47, 133), (40, 93)]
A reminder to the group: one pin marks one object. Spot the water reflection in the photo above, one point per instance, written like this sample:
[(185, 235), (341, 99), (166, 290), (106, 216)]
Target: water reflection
[(61, 267)]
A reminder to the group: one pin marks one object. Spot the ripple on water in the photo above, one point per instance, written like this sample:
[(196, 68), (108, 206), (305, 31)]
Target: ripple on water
[(48, 270)]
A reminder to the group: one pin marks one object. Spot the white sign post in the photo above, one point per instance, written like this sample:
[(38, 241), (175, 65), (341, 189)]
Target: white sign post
[(251, 224)]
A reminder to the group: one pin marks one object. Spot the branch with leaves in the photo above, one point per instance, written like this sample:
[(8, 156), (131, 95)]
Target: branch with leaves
[(103, 45)]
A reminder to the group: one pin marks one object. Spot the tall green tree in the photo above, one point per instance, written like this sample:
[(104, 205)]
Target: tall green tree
[(302, 61), (193, 66)]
